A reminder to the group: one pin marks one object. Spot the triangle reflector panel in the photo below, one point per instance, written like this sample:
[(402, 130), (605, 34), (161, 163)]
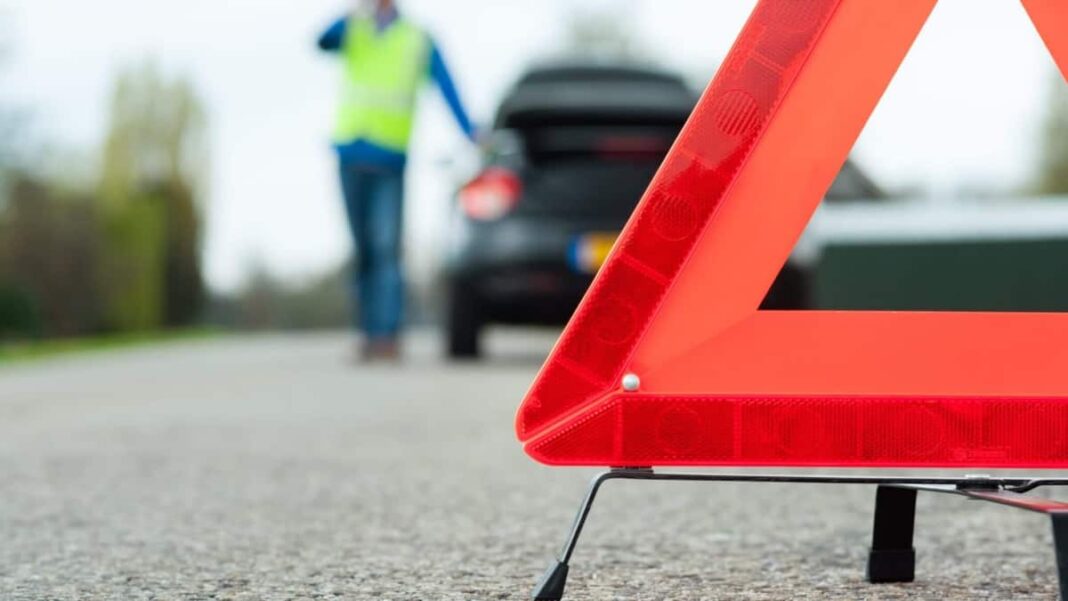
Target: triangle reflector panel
[(667, 361)]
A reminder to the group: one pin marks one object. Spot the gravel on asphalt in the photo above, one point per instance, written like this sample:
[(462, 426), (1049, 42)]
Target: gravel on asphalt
[(274, 468)]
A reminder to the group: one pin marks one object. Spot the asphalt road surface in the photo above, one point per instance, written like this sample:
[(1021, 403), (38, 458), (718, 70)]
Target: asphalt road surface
[(274, 468)]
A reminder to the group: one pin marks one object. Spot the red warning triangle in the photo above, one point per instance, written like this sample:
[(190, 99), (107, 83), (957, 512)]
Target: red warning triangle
[(668, 362)]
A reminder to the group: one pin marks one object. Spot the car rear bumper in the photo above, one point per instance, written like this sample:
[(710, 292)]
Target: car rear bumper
[(522, 270), (527, 294)]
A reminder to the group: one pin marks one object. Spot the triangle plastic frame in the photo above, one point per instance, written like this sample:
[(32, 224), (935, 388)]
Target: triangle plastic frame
[(668, 362)]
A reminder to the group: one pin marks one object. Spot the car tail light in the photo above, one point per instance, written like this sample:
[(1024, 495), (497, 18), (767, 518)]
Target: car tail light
[(491, 195)]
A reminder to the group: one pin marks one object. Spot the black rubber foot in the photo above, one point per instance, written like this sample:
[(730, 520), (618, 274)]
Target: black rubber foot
[(551, 586), (888, 566)]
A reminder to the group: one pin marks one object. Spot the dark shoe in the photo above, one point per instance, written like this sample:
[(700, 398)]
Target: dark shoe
[(381, 350)]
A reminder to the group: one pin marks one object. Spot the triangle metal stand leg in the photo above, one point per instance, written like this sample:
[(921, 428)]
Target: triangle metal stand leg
[(1060, 546), (552, 584), (892, 557), (991, 490)]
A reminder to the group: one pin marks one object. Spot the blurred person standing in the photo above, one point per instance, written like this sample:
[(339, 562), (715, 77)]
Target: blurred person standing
[(385, 61)]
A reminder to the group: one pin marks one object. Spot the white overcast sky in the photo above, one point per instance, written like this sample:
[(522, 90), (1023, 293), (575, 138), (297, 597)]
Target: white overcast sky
[(963, 112)]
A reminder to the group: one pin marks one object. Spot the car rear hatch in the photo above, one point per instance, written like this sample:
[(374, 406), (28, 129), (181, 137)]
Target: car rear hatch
[(598, 180), (592, 139)]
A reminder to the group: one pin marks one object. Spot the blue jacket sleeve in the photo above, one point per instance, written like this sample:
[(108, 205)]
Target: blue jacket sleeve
[(334, 37), (439, 72)]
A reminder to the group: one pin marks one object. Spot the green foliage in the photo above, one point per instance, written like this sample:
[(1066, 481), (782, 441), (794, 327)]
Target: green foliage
[(183, 285), (18, 314), (44, 349), (121, 258), (1053, 174), (157, 135), (153, 170), (132, 265), (48, 257)]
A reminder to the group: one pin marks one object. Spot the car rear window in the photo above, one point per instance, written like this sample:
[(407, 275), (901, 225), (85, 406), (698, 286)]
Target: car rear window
[(595, 103)]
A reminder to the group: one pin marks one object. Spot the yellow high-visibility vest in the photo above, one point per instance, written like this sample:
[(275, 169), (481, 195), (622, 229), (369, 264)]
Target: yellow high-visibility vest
[(383, 73)]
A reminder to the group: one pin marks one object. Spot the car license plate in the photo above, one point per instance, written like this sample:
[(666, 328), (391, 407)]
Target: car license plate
[(590, 251)]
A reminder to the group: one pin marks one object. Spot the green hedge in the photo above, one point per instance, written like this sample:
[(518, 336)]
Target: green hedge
[(990, 275)]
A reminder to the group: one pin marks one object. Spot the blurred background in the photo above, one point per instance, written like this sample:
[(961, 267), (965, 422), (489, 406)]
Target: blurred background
[(165, 167)]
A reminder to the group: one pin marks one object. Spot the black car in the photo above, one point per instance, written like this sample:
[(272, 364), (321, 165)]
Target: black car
[(573, 150)]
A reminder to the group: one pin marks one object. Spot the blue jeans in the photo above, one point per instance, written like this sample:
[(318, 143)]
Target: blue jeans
[(374, 202)]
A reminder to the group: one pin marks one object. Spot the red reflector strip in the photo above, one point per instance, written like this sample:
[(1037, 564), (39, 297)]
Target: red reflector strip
[(649, 430), (736, 109)]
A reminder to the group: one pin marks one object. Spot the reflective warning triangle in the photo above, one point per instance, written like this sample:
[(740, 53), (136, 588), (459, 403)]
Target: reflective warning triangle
[(668, 362)]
